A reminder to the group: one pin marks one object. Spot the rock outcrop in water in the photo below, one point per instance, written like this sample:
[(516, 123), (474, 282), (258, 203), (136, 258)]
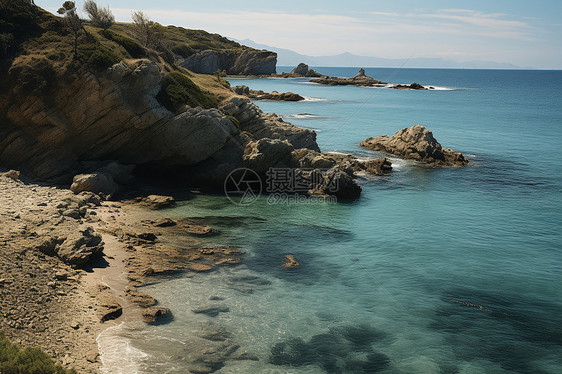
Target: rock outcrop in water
[(261, 95), (360, 79), (413, 86), (301, 71), (416, 143)]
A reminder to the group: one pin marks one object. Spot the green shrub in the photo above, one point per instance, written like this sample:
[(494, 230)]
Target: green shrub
[(179, 90), (97, 56), (14, 360), (182, 50), (131, 46)]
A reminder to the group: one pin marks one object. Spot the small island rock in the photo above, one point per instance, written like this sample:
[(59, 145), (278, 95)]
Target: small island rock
[(416, 143)]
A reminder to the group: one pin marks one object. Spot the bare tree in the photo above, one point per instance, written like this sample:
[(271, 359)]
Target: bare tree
[(73, 22), (149, 33), (100, 17), (143, 27)]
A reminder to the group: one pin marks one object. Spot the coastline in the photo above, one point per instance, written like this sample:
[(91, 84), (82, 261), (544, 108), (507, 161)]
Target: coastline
[(66, 321)]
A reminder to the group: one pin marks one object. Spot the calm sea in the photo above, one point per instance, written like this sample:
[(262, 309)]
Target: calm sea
[(430, 271)]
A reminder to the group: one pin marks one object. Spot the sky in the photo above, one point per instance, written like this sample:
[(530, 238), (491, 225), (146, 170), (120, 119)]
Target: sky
[(522, 32)]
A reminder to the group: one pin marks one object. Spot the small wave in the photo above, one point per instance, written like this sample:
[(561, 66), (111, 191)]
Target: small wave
[(117, 354), (304, 116), (315, 99), (439, 88)]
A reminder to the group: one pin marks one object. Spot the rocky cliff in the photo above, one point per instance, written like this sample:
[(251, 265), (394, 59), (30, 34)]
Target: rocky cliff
[(244, 62), (61, 116)]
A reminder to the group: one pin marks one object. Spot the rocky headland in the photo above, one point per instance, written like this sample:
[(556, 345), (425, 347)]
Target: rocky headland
[(416, 143), (360, 79)]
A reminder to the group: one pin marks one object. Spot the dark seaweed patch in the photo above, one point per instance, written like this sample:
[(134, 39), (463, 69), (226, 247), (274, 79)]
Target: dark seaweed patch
[(510, 330), (341, 349)]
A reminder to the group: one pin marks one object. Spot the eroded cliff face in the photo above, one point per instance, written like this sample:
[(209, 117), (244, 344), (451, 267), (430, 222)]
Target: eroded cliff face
[(49, 129), (245, 62)]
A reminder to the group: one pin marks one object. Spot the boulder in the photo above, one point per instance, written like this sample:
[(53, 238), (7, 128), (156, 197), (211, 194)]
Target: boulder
[(302, 70), (416, 143), (339, 183), (153, 314), (12, 174), (109, 307), (263, 154), (80, 247), (96, 183), (378, 166), (241, 90), (157, 202)]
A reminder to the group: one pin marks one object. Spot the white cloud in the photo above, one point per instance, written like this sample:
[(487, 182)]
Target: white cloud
[(444, 32)]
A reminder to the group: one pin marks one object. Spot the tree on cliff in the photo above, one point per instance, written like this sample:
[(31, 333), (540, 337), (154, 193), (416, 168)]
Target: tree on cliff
[(148, 32), (100, 17), (73, 22)]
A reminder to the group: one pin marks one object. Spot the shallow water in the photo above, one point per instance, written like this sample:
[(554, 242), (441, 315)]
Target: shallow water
[(431, 270)]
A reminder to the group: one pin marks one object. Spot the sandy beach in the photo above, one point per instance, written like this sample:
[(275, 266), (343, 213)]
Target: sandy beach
[(62, 309)]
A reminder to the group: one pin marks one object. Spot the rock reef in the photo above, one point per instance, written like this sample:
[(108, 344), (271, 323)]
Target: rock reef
[(261, 95), (360, 79), (301, 71), (416, 143)]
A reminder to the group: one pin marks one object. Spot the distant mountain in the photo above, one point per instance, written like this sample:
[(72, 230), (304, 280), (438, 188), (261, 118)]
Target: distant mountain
[(286, 57)]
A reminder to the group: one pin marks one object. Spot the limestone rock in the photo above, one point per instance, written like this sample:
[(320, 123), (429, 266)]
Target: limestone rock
[(96, 183), (360, 79), (244, 62), (416, 143), (80, 247), (378, 166), (266, 153), (12, 174), (360, 74), (158, 202), (154, 314), (339, 183), (109, 306), (260, 125), (302, 70)]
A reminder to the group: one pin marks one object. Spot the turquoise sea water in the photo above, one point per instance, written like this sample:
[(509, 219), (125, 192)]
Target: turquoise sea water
[(430, 271)]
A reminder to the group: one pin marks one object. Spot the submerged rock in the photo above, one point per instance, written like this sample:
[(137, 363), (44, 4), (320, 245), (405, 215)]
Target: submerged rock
[(155, 314), (416, 143), (291, 262)]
